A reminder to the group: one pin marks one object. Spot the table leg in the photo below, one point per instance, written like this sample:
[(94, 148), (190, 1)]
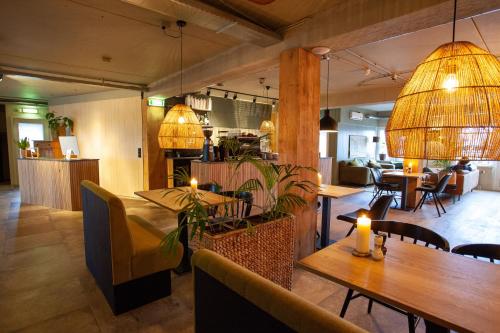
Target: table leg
[(404, 193), (325, 222), (185, 265)]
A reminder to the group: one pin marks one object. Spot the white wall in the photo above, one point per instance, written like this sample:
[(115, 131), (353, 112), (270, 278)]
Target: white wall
[(13, 117), (108, 126)]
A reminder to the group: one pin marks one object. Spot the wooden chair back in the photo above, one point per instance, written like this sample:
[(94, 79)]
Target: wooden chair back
[(412, 231), (487, 251)]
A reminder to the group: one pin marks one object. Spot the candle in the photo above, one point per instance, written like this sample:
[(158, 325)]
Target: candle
[(194, 184), (319, 179), (363, 234)]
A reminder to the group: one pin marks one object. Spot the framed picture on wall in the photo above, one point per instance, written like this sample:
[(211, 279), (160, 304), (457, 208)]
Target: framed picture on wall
[(358, 146)]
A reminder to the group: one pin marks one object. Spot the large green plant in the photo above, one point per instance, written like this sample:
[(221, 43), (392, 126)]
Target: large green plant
[(281, 185), (57, 121)]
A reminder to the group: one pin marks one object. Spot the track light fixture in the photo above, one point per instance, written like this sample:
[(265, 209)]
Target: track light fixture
[(254, 99), (226, 94), (1, 77), (235, 96), (208, 92)]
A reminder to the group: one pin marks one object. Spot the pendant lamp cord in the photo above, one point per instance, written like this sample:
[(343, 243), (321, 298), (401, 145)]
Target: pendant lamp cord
[(454, 20), (327, 79), (180, 29)]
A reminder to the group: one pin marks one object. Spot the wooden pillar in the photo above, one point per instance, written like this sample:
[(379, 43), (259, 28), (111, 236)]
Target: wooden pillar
[(298, 137), (153, 158)]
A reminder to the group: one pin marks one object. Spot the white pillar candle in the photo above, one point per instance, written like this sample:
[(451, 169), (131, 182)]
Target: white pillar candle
[(319, 179), (194, 184), (363, 234)]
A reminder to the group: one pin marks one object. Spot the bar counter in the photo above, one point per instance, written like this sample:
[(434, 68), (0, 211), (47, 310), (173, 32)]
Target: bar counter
[(55, 182)]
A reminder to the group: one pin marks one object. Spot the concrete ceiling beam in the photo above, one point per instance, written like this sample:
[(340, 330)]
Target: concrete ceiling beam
[(211, 18), (349, 24)]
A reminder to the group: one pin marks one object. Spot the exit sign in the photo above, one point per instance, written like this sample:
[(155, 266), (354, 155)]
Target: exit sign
[(156, 102)]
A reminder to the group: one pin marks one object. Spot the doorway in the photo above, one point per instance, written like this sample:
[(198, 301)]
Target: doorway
[(4, 149)]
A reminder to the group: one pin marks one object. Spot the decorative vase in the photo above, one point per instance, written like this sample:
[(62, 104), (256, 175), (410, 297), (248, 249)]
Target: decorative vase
[(382, 157)]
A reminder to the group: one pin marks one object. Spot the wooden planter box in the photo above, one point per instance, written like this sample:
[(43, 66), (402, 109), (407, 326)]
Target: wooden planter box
[(267, 250)]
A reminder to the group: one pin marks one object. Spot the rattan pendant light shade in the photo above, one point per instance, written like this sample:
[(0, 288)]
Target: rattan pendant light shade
[(180, 129), (450, 108)]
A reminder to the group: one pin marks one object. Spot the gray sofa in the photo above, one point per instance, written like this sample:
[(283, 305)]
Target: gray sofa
[(352, 174)]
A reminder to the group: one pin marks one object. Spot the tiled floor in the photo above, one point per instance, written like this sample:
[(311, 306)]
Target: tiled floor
[(45, 286)]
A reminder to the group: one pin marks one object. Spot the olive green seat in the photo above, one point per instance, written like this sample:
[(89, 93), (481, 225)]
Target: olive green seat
[(230, 298), (123, 252)]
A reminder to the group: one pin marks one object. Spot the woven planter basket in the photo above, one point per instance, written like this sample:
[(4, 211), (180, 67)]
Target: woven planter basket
[(267, 251)]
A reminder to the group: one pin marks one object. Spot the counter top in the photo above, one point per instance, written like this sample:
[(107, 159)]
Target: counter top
[(57, 159)]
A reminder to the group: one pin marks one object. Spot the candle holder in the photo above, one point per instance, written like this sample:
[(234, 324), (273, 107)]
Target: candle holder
[(361, 254)]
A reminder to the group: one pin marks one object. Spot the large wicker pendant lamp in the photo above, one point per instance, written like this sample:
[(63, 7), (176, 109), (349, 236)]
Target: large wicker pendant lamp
[(180, 129), (450, 108)]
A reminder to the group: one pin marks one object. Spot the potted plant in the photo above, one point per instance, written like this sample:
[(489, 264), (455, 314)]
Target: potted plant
[(23, 146), (59, 125), (263, 243)]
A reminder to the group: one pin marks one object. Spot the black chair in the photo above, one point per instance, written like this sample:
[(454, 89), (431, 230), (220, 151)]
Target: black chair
[(377, 212), (417, 234), (244, 204), (434, 191), (211, 187), (487, 251), (381, 186)]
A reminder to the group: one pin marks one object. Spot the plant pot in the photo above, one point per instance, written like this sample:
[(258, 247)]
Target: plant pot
[(23, 153), (268, 249), (382, 157)]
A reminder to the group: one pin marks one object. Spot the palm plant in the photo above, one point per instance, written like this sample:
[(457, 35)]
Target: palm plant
[(281, 186), (23, 143)]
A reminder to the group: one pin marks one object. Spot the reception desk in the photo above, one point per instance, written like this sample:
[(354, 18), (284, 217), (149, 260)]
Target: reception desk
[(55, 182)]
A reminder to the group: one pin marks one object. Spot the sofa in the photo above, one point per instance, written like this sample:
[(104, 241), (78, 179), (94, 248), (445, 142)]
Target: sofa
[(123, 252), (357, 171), (467, 181), (230, 298)]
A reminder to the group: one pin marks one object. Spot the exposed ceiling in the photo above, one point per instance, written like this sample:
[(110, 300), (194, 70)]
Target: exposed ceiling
[(30, 88), (400, 56), (72, 37)]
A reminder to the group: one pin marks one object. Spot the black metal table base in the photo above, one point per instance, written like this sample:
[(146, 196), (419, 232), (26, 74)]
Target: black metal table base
[(185, 265)]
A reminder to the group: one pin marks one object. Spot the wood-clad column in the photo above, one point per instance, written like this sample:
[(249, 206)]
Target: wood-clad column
[(153, 157), (298, 135)]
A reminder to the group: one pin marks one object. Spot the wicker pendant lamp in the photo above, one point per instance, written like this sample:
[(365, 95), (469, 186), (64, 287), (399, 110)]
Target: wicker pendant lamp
[(180, 129), (450, 108)]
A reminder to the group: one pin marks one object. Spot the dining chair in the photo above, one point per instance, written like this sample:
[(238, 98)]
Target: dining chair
[(377, 212), (211, 187), (381, 186), (243, 205), (487, 251), (434, 191), (405, 231)]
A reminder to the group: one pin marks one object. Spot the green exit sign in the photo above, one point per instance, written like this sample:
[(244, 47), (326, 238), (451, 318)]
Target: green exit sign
[(156, 102)]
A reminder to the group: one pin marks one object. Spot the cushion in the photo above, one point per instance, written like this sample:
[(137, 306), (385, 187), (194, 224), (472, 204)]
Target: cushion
[(356, 163), (147, 257), (374, 164)]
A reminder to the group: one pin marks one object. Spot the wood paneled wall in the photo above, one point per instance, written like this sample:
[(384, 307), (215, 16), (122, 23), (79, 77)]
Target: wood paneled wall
[(153, 156), (108, 127), (298, 137), (55, 183)]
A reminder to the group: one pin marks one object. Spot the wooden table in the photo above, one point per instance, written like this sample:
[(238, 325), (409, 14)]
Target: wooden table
[(170, 200), (409, 183), (448, 289), (328, 192)]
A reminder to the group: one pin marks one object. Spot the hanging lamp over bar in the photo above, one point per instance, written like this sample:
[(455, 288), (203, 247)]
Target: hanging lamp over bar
[(450, 108), (180, 129), (327, 123)]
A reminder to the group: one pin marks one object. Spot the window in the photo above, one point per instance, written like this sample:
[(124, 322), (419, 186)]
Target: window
[(32, 131), (323, 144)]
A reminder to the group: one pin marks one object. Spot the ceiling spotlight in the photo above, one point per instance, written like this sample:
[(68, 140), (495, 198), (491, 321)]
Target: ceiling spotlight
[(1, 77), (368, 71), (208, 92), (262, 80), (235, 96), (274, 103), (254, 99), (226, 94)]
